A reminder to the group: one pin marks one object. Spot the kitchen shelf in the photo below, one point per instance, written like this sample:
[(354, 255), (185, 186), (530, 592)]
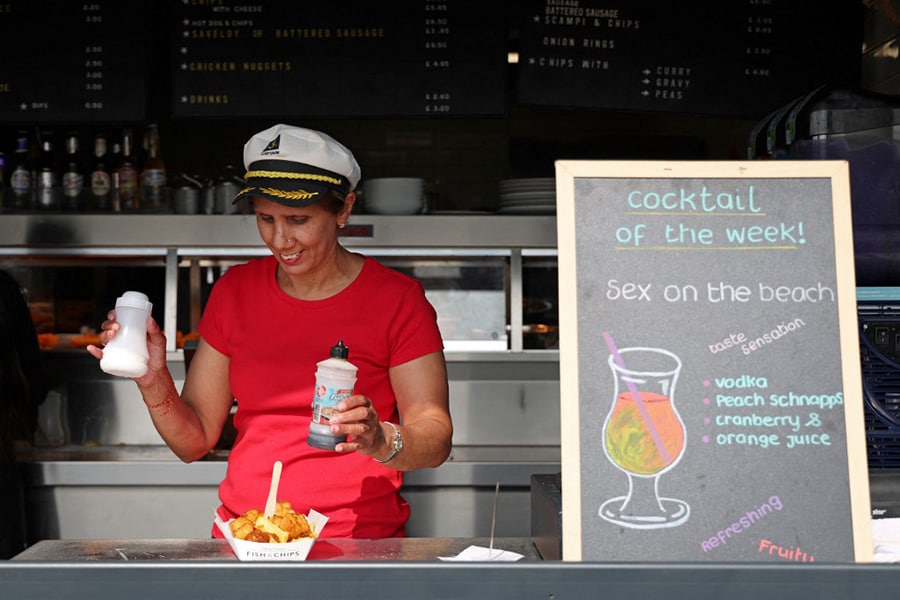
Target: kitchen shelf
[(137, 233), (173, 241)]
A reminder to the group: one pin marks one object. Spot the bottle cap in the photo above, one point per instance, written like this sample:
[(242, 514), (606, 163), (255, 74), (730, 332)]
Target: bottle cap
[(135, 300), (339, 350)]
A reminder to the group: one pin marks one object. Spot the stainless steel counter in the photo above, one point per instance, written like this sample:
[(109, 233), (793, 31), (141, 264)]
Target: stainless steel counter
[(417, 549), (79, 492), (407, 568), (435, 580)]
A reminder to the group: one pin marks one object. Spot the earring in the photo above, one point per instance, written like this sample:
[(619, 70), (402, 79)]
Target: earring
[(341, 225)]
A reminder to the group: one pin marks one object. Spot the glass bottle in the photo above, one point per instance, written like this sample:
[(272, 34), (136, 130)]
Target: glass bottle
[(101, 178), (114, 162), (21, 177), (127, 171), (154, 190), (49, 182), (73, 174)]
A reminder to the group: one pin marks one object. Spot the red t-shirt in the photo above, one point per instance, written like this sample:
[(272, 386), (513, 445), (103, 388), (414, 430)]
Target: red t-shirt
[(273, 342)]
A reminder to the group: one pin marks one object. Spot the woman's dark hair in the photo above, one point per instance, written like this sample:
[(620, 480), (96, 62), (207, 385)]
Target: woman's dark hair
[(333, 202)]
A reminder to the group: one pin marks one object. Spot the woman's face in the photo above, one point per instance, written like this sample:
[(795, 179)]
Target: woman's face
[(303, 240)]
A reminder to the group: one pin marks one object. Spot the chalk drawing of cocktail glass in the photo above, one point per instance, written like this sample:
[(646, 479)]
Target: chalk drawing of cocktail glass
[(643, 436)]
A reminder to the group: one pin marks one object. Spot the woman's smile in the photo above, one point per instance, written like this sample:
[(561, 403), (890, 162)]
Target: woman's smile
[(290, 258)]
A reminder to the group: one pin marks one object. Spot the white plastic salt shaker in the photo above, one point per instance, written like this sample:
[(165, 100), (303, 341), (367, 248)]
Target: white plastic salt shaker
[(126, 353)]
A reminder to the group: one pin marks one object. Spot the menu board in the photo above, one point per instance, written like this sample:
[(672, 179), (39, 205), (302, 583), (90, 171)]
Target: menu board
[(708, 57), (73, 61), (711, 397), (339, 58)]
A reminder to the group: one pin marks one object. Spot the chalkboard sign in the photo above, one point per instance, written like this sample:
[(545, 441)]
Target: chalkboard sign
[(339, 58), (718, 58), (73, 61), (709, 363)]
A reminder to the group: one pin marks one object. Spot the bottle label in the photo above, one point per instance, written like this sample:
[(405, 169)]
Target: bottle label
[(48, 190), (20, 181), (101, 183), (47, 179), (325, 402), (128, 181), (73, 184), (154, 178)]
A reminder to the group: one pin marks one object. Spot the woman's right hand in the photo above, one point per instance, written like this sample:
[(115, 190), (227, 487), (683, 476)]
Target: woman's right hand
[(156, 346)]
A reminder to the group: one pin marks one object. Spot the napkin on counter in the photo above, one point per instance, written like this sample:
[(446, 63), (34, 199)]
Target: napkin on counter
[(886, 537), (480, 553)]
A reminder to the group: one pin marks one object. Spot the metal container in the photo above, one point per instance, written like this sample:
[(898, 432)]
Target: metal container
[(227, 187), (208, 196), (186, 200), (225, 191)]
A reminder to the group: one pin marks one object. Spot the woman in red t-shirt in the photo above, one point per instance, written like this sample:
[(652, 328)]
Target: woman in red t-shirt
[(266, 325)]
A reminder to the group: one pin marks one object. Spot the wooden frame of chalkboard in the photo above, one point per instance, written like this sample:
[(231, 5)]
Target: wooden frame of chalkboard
[(711, 397)]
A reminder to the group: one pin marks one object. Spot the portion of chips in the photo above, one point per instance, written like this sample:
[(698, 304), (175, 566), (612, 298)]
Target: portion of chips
[(284, 526)]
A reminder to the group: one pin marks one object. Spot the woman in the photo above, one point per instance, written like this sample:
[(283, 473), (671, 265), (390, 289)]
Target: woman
[(266, 325)]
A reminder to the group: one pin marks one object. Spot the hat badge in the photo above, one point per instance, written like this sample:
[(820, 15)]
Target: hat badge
[(272, 147)]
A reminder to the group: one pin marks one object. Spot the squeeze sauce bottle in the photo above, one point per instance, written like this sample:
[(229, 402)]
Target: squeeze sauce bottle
[(335, 378), (126, 354)]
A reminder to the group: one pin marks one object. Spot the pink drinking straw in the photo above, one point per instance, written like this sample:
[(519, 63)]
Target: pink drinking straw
[(637, 398)]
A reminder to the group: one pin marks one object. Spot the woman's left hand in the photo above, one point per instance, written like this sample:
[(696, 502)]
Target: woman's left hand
[(357, 419)]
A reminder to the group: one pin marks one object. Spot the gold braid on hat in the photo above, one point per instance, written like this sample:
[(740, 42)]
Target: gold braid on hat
[(284, 175), (298, 195)]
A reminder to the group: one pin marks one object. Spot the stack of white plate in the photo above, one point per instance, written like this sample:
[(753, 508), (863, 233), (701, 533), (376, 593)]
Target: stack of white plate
[(528, 196), (394, 195)]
